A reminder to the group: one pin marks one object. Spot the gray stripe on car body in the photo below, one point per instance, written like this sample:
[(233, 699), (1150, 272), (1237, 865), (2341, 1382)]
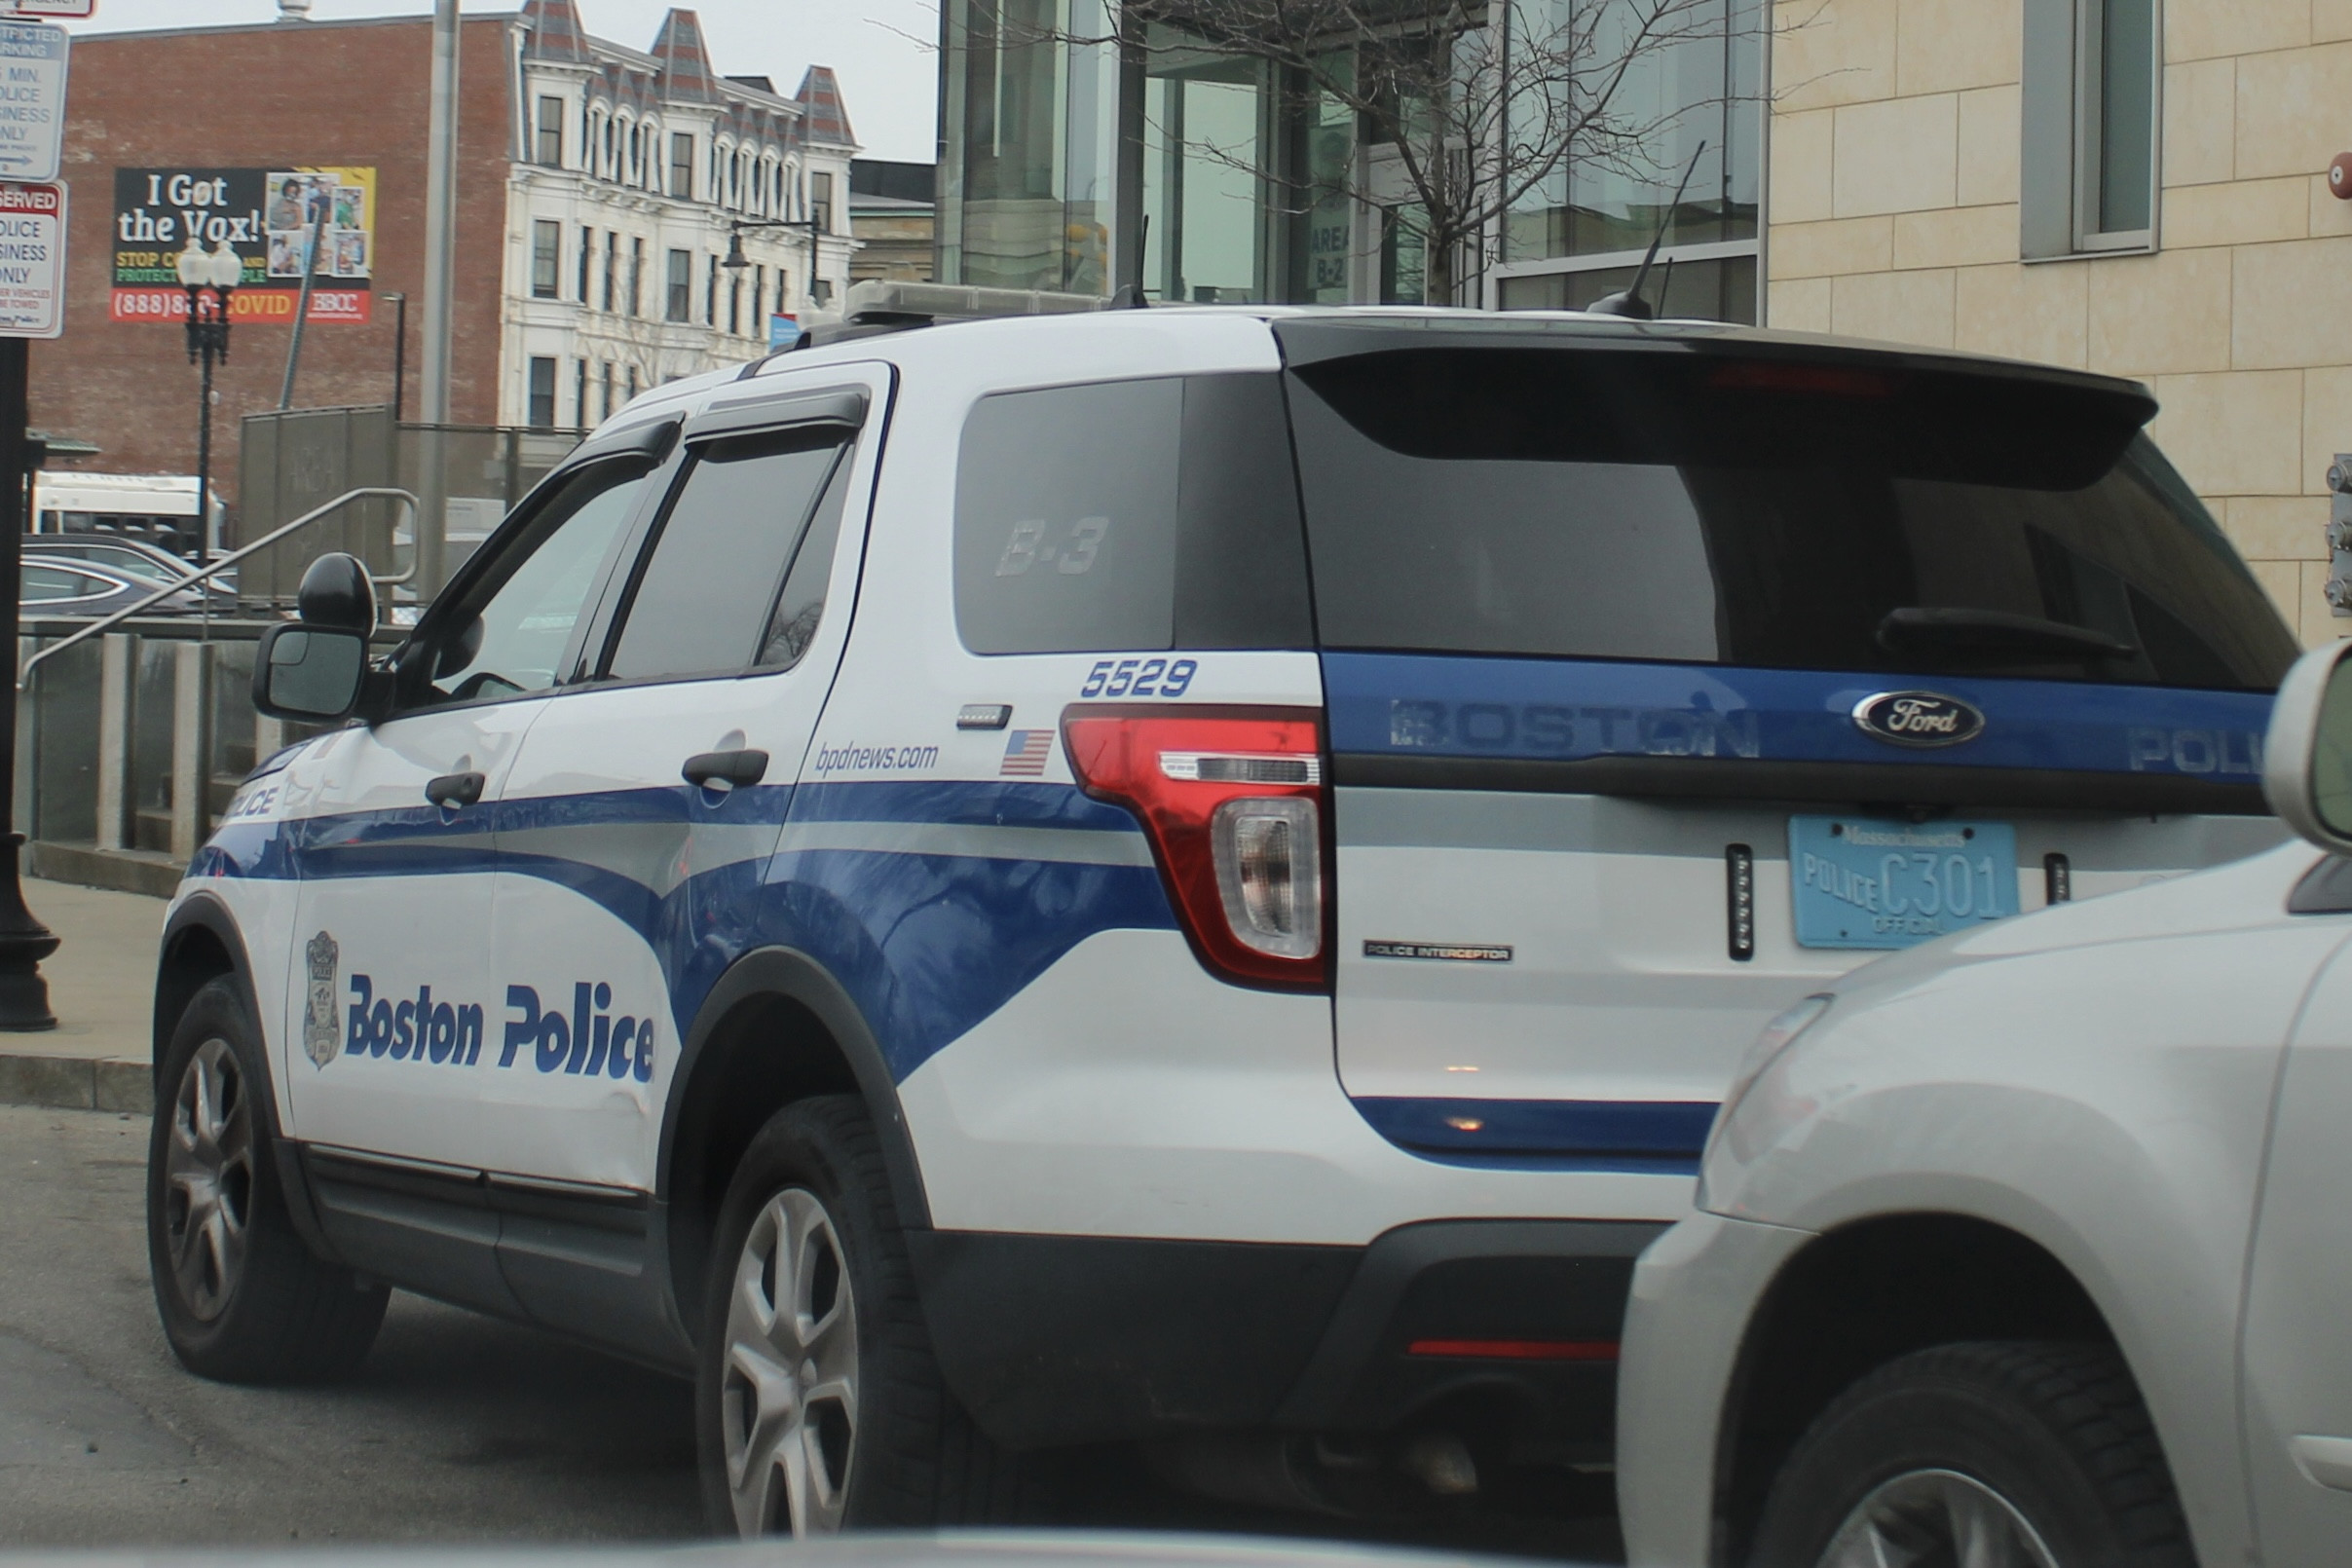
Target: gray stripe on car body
[(973, 840), (1611, 825)]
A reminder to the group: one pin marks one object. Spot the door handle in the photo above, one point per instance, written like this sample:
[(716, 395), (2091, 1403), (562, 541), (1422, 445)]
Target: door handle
[(726, 769), (451, 791)]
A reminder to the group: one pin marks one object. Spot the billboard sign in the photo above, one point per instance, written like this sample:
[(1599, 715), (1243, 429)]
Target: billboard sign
[(33, 55), (266, 216), (32, 261)]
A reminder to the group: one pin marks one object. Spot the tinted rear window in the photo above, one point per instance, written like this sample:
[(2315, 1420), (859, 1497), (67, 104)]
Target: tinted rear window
[(1824, 514), (1130, 516)]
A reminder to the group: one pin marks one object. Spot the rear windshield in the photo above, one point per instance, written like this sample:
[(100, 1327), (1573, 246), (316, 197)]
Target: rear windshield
[(1788, 514)]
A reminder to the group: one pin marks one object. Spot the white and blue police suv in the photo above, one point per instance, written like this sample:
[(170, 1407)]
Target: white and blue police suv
[(1179, 877)]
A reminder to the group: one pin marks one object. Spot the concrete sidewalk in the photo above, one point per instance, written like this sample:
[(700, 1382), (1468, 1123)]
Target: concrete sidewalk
[(101, 986)]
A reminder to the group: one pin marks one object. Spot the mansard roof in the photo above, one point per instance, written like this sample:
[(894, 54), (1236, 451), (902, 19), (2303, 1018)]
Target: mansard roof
[(824, 119), (555, 31), (685, 63)]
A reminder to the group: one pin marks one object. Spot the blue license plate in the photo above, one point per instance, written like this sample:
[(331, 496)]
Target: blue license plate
[(1868, 882)]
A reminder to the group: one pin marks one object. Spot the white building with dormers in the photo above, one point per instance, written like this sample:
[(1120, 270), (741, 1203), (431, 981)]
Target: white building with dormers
[(633, 168)]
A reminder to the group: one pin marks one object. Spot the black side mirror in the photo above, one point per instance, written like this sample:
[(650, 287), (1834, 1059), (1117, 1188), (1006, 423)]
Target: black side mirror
[(336, 593), (310, 673)]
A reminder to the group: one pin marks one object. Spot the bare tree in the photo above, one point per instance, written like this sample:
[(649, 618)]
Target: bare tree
[(1472, 112)]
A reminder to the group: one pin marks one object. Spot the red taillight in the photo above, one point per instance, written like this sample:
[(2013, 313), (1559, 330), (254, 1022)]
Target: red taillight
[(1792, 376), (1516, 1350), (1233, 801)]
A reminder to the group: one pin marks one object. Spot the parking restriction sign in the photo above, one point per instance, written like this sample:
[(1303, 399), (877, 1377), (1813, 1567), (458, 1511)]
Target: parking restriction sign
[(32, 261), (49, 10)]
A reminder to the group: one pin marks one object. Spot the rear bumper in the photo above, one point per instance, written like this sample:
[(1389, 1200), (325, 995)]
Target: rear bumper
[(1053, 1340)]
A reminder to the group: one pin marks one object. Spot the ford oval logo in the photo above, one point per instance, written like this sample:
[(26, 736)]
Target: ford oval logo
[(1918, 719)]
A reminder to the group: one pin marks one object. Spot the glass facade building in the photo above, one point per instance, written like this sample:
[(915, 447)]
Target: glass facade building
[(1084, 150)]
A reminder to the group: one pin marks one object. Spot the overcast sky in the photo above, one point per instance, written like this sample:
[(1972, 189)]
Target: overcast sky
[(889, 78)]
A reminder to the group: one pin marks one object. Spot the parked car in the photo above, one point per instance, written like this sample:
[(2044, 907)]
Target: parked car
[(2032, 1245), (889, 886), (142, 563), (65, 586)]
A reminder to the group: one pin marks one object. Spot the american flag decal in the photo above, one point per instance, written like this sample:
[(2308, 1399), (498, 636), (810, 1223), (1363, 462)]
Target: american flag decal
[(1024, 752)]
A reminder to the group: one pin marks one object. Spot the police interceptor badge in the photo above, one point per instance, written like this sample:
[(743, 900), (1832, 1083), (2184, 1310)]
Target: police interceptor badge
[(322, 1028), (1918, 719)]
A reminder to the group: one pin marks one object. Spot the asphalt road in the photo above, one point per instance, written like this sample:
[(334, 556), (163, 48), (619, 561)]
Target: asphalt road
[(458, 1427)]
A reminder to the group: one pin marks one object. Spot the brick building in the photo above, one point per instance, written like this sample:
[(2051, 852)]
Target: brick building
[(546, 151)]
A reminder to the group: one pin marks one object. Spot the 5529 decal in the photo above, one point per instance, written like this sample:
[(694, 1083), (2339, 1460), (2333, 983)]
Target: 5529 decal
[(1139, 678)]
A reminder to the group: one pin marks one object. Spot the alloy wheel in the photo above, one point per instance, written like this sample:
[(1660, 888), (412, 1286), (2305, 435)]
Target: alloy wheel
[(1937, 1519), (789, 1386), (209, 1179)]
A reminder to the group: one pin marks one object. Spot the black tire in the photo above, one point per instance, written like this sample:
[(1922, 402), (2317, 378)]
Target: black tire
[(898, 1452), (242, 1300), (2056, 1434)]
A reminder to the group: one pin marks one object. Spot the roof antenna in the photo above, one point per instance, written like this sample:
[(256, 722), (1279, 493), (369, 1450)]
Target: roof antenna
[(1629, 304)]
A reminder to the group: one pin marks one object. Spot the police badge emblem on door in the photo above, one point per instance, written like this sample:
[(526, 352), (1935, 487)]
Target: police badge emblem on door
[(321, 1030)]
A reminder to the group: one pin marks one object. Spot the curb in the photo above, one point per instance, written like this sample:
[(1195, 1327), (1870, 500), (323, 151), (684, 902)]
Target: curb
[(123, 871), (77, 1083)]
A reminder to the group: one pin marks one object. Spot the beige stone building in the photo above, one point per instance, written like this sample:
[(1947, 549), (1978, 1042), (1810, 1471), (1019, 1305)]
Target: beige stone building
[(2133, 186)]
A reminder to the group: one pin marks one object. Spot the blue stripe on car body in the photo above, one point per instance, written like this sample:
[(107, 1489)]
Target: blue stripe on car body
[(1473, 705), (928, 945)]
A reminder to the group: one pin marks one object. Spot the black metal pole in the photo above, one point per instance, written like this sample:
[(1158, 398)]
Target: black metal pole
[(399, 353), (23, 940), (204, 462)]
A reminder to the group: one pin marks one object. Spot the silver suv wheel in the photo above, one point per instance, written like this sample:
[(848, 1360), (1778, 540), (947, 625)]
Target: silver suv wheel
[(1937, 1516), (789, 1386), (209, 1179)]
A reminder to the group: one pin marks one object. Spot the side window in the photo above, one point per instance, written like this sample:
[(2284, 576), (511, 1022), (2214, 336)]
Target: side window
[(43, 582), (707, 595), (522, 614), (793, 626), (1129, 517)]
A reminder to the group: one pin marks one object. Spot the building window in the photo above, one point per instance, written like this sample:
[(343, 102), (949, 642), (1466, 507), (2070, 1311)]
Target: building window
[(632, 383), (612, 267), (580, 393), (542, 393), (820, 201), (546, 258), (551, 132), (588, 259), (759, 301), (637, 277), (682, 164), (607, 389), (821, 291), (678, 303), (2090, 122), (710, 296), (734, 307)]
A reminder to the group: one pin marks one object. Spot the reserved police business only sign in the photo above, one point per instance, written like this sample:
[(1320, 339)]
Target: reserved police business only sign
[(32, 261)]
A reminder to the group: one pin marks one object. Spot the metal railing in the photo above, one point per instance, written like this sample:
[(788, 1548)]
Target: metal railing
[(416, 512)]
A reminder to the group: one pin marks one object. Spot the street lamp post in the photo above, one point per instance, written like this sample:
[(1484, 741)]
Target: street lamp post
[(211, 279), (736, 260)]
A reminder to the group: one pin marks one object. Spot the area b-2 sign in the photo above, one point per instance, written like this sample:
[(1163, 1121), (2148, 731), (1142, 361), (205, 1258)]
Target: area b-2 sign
[(267, 217)]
